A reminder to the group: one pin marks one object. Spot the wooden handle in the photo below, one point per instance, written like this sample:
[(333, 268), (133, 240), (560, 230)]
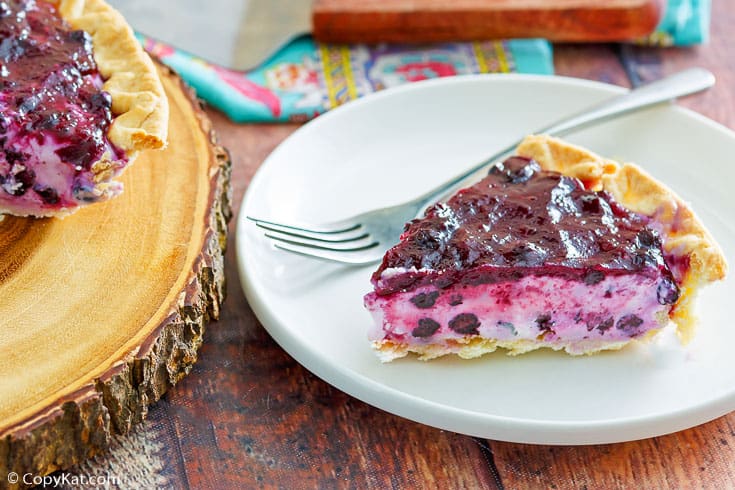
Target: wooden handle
[(371, 21)]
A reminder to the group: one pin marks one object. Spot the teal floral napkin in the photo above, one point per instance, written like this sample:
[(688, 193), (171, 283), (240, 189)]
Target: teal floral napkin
[(306, 78)]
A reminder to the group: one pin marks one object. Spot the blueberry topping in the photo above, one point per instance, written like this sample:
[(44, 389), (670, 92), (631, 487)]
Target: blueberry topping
[(100, 101), (516, 170), (79, 37), (465, 324), (518, 221), (646, 238), (50, 88), (667, 291), (427, 327), (591, 204), (80, 154), (525, 255), (629, 324), (425, 300)]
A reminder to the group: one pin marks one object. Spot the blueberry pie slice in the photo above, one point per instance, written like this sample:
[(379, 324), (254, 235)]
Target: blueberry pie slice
[(79, 99), (556, 247)]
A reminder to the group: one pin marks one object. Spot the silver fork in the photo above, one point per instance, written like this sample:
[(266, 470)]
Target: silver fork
[(364, 238)]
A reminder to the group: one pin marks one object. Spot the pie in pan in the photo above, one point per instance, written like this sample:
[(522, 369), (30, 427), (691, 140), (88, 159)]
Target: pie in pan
[(557, 247), (79, 100)]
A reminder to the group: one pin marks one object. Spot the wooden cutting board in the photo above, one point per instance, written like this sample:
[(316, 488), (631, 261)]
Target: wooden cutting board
[(102, 311), (467, 20)]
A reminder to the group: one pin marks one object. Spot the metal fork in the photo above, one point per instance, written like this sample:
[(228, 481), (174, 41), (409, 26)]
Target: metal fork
[(364, 238)]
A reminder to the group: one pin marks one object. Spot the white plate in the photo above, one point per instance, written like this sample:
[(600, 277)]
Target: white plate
[(393, 145)]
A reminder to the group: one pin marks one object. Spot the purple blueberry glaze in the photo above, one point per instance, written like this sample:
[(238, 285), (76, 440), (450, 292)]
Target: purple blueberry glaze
[(51, 101), (519, 221)]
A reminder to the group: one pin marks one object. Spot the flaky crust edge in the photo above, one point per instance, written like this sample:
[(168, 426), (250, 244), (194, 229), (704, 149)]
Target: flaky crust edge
[(684, 235), (139, 103)]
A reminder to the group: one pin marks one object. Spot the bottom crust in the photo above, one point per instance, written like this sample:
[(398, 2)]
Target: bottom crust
[(476, 346)]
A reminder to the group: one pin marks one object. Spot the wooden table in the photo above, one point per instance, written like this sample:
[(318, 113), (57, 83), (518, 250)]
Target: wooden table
[(249, 416)]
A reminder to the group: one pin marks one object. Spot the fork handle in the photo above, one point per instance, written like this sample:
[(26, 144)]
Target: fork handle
[(666, 89)]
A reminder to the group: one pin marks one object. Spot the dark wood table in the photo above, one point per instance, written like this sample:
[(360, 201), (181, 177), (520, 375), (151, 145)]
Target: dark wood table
[(249, 416)]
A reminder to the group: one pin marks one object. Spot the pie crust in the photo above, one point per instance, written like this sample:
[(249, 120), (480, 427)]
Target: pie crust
[(139, 103), (139, 110), (685, 238), (415, 316)]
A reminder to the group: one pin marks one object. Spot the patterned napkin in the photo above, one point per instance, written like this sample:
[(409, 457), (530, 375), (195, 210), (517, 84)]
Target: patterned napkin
[(306, 78)]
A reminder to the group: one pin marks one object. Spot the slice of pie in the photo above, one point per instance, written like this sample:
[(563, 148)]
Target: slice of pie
[(79, 99), (556, 247)]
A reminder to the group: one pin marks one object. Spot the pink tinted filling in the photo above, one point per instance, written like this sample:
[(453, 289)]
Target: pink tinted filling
[(553, 308)]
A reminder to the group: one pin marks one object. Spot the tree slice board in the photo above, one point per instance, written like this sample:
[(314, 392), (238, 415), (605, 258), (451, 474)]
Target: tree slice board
[(102, 311), (374, 21)]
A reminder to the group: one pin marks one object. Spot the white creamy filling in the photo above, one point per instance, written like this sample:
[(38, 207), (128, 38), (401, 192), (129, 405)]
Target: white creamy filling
[(555, 308)]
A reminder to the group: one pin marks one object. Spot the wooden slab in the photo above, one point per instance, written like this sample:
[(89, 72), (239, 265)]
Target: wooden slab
[(103, 311), (373, 21)]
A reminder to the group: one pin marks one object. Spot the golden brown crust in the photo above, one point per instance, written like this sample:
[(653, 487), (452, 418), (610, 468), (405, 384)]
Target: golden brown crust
[(684, 235), (139, 103), (476, 346)]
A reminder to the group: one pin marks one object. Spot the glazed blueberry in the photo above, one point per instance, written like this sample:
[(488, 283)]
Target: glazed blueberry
[(667, 291), (516, 170), (465, 323), (525, 256), (646, 238), (79, 155), (79, 37), (591, 204), (427, 327)]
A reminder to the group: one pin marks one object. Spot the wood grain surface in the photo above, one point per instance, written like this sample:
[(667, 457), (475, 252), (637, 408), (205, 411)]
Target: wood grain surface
[(348, 21), (249, 416), (104, 310)]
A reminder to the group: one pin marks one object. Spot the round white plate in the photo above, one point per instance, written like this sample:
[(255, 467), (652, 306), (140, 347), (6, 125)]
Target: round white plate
[(388, 147)]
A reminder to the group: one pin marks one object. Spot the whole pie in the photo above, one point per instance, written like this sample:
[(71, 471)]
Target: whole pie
[(557, 247), (79, 99)]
